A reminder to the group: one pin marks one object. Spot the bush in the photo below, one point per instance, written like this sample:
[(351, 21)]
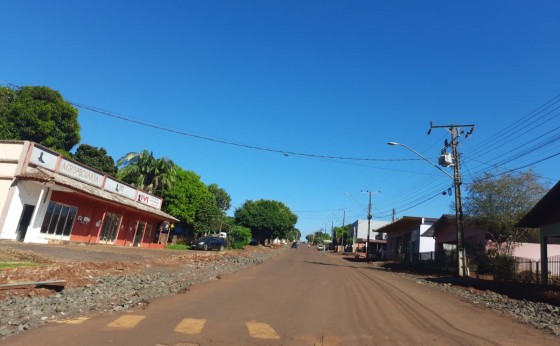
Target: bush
[(503, 268), (239, 236)]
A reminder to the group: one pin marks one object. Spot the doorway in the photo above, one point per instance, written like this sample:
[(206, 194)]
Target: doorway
[(139, 233), (24, 221), (110, 228)]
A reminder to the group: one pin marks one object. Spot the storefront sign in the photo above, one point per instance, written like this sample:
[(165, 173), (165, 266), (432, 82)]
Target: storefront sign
[(43, 158), (77, 172), (116, 186), (150, 200)]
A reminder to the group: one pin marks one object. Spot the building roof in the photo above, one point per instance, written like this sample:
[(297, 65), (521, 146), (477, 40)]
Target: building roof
[(445, 218), (545, 212), (45, 176), (406, 222)]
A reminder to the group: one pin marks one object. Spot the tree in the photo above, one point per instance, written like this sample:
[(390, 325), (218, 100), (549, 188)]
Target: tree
[(341, 234), (267, 219), (208, 218), (39, 114), (146, 172), (499, 202), (293, 235), (183, 198), (223, 199), (96, 158)]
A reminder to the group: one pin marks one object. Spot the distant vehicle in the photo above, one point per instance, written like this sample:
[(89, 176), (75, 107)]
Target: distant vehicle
[(210, 243), (294, 245), (320, 247)]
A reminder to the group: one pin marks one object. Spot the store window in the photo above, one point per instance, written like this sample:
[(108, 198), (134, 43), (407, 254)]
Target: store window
[(59, 219)]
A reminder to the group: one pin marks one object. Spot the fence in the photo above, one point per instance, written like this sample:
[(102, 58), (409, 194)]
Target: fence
[(504, 268), (528, 270)]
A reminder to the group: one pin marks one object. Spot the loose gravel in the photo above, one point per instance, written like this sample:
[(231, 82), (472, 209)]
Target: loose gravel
[(117, 293), (539, 315)]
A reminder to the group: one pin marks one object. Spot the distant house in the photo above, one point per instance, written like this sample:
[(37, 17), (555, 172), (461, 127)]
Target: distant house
[(404, 237), (46, 197), (444, 232), (545, 215), (377, 240)]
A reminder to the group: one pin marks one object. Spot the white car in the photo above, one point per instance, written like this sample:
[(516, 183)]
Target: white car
[(320, 247)]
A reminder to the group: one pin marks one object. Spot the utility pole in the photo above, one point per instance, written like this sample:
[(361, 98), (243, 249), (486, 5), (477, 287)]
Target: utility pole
[(454, 161), (368, 224), (342, 232)]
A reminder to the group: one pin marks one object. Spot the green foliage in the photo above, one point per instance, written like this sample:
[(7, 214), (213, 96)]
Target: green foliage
[(267, 219), (223, 199), (96, 158), (293, 235), (208, 217), (177, 247), (185, 197), (146, 172), (341, 233), (499, 202), (319, 237), (39, 114), (239, 236), (18, 264), (503, 268)]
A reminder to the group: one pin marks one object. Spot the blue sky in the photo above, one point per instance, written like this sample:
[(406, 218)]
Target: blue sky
[(316, 79)]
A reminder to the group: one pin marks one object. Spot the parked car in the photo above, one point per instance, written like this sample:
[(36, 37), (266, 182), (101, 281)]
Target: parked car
[(320, 247), (210, 243)]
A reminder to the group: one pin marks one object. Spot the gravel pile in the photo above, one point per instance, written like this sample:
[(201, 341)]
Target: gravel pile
[(116, 293), (540, 315)]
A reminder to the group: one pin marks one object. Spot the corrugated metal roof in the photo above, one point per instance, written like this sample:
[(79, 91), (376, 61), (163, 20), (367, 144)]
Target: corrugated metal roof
[(42, 175)]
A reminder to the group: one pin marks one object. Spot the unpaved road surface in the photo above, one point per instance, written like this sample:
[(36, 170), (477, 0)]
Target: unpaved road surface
[(300, 297)]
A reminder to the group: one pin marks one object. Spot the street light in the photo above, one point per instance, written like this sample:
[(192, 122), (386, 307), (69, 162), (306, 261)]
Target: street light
[(424, 158), (461, 256)]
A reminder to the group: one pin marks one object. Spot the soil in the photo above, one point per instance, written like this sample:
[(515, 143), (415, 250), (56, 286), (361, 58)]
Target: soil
[(78, 265)]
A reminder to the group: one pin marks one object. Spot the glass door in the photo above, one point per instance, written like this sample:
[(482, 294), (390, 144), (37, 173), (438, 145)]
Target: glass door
[(110, 228), (140, 228)]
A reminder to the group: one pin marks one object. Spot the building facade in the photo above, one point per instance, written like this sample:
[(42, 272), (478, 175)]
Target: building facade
[(45, 197), (405, 237)]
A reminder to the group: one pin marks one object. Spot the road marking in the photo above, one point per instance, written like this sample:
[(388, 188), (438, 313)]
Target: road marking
[(261, 330), (190, 326), (126, 322), (74, 321)]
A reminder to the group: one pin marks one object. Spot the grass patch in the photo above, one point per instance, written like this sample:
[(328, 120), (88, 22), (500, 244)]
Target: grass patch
[(4, 265), (177, 247)]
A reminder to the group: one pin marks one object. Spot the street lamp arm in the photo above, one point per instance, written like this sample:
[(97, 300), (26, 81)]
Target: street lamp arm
[(423, 158)]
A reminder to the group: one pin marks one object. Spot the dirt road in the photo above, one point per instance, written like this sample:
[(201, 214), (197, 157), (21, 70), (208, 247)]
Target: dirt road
[(301, 297)]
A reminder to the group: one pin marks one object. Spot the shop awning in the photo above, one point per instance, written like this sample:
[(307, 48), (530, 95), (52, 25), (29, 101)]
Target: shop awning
[(41, 175)]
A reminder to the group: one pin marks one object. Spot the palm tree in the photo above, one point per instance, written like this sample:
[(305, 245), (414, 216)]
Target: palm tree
[(146, 172)]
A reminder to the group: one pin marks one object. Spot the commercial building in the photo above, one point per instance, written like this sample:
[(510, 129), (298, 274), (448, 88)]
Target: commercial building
[(46, 197)]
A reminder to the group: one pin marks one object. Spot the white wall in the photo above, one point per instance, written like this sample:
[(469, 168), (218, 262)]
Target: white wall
[(25, 193), (427, 244), (361, 226)]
